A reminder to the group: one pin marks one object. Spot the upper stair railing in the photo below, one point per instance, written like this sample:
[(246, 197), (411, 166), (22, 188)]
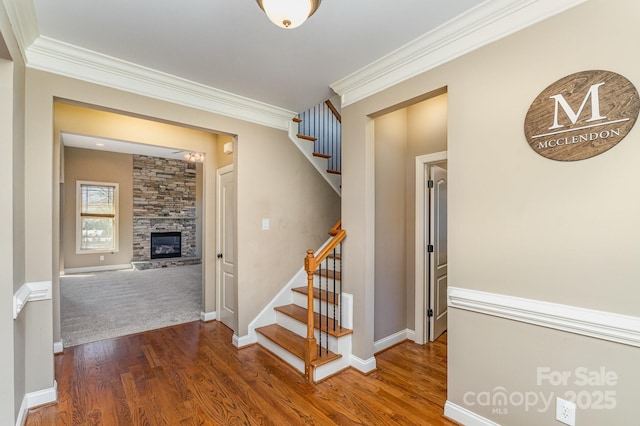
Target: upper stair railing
[(326, 266), (323, 122)]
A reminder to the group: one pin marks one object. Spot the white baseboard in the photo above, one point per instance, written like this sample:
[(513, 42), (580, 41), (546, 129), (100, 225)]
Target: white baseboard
[(602, 325), (99, 268), (208, 316), (35, 399), (242, 341), (58, 348), (394, 339), (30, 292), (363, 366), (464, 416)]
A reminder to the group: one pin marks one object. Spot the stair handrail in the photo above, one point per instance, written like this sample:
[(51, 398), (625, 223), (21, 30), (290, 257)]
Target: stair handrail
[(335, 228), (311, 264), (333, 109)]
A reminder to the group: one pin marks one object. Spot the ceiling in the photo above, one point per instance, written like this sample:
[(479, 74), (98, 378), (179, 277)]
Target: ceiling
[(123, 147), (231, 45), (226, 57)]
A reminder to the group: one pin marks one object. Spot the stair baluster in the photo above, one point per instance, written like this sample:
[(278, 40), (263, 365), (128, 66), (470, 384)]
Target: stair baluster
[(313, 266), (323, 123)]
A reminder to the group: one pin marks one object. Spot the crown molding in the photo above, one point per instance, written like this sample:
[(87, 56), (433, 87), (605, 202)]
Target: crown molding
[(68, 60), (46, 54), (488, 22), (22, 16)]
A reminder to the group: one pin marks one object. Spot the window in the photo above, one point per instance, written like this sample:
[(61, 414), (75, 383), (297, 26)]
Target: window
[(97, 218)]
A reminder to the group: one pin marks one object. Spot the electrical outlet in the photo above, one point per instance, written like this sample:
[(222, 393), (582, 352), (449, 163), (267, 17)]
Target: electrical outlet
[(101, 257), (565, 412)]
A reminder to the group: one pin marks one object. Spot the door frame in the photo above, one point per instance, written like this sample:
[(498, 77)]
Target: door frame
[(219, 172), (423, 162)]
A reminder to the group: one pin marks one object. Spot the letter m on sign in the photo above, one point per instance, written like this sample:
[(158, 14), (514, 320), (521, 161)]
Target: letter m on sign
[(560, 101)]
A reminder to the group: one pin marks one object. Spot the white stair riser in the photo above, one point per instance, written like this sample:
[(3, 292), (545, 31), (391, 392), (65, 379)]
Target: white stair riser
[(316, 283), (347, 306), (301, 300), (324, 282), (300, 329), (334, 367), (283, 354)]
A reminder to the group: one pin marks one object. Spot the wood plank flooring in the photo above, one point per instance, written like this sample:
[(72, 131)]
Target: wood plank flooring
[(191, 374)]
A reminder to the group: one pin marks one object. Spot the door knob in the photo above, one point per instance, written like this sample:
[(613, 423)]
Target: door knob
[(219, 256)]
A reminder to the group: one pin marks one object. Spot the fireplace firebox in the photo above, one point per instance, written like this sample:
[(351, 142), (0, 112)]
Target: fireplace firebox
[(166, 244)]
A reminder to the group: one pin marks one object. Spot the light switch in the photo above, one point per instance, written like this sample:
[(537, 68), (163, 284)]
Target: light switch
[(265, 224)]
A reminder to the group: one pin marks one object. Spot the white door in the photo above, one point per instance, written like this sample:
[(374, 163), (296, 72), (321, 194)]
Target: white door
[(226, 299), (438, 257)]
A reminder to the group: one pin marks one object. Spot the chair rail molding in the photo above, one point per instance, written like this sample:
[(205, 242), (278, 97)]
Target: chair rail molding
[(30, 292), (602, 325)]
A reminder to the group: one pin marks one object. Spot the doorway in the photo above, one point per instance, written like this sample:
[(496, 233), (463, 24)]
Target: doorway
[(154, 141), (226, 213), (431, 247)]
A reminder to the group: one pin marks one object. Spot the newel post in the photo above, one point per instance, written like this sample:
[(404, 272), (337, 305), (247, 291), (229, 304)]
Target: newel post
[(310, 346)]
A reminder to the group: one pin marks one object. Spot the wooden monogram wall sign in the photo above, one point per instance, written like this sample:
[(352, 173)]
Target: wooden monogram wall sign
[(581, 115)]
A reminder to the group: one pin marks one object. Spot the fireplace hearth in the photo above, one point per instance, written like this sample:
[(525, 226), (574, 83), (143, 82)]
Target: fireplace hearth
[(166, 245)]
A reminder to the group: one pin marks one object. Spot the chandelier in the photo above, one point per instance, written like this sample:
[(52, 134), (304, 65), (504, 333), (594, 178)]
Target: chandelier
[(289, 14), (194, 157)]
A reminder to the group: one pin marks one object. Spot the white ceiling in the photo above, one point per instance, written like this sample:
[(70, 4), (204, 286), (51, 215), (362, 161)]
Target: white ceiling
[(123, 147), (232, 46), (226, 57)]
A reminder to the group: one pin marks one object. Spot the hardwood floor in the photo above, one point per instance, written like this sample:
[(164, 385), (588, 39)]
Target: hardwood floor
[(191, 374)]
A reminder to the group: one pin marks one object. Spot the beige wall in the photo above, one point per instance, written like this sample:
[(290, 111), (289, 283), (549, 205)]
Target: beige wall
[(97, 166), (12, 262), (390, 274), (400, 137), (276, 182), (520, 224), (427, 134), (223, 159)]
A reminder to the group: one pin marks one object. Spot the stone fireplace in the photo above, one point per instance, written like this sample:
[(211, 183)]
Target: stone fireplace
[(164, 206)]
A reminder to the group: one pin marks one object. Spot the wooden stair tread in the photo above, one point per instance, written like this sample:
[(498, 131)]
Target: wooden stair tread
[(320, 321), (309, 138), (335, 172), (320, 155), (328, 296), (284, 338), (293, 343), (328, 273), (297, 120)]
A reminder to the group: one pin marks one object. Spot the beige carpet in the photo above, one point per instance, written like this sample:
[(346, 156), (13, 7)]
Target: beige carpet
[(101, 305)]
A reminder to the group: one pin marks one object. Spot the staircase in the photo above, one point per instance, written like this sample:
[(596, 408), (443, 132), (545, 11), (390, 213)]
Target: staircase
[(317, 343), (317, 132), (308, 324)]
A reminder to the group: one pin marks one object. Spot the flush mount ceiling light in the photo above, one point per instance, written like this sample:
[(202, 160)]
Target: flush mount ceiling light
[(289, 14), (195, 157)]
